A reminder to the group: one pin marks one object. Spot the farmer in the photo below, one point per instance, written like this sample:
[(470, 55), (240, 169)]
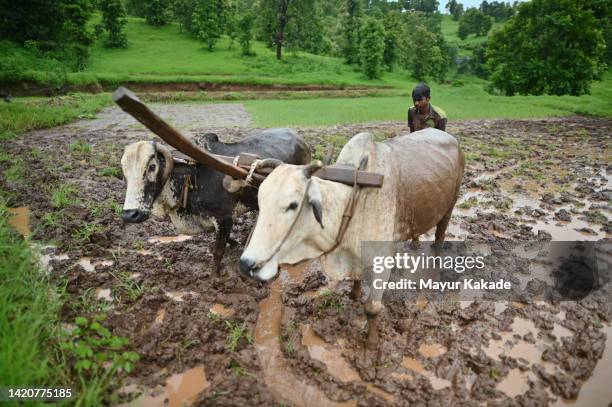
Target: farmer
[(423, 114)]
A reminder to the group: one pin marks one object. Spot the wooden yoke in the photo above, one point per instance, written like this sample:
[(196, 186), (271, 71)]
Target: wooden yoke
[(130, 103)]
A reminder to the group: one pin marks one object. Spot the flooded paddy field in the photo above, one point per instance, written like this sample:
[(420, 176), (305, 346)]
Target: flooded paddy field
[(299, 340)]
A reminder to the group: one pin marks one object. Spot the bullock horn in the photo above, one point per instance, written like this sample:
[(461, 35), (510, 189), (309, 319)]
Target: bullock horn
[(312, 168), (169, 164), (269, 163)]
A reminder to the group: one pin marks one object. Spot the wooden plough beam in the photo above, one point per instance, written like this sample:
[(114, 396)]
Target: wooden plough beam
[(132, 105)]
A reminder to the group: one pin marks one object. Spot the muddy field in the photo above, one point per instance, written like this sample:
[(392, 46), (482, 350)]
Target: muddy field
[(299, 340)]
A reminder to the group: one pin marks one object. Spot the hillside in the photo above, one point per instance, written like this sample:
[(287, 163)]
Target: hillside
[(449, 31), (164, 54)]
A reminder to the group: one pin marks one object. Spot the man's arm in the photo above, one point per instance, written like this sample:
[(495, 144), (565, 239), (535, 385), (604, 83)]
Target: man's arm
[(410, 119)]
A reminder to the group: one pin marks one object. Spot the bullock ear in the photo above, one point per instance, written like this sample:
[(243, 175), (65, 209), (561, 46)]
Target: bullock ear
[(314, 199)]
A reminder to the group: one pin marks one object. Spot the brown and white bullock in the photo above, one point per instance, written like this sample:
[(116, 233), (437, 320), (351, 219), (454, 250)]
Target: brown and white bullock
[(300, 215)]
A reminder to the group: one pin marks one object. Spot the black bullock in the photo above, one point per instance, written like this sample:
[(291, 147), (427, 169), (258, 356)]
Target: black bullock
[(193, 195)]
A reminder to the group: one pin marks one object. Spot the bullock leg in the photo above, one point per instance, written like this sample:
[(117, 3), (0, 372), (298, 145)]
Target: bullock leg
[(414, 245), (441, 231), (356, 291), (372, 309), (223, 231)]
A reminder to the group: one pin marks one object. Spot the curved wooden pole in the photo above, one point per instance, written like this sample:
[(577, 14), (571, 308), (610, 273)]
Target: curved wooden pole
[(130, 103)]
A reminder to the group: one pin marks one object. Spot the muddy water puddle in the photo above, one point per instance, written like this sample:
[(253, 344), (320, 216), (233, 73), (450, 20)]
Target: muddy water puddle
[(180, 390), (104, 294), (415, 366), (180, 296), (168, 239), (277, 373), (432, 350), (222, 311), (336, 364), (507, 345), (516, 383), (90, 266), (596, 390), (330, 355), (19, 219)]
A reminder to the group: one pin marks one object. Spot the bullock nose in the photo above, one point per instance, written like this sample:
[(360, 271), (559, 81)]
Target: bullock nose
[(246, 266), (134, 215)]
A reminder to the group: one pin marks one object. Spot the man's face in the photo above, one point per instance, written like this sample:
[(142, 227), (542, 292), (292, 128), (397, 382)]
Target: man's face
[(421, 104)]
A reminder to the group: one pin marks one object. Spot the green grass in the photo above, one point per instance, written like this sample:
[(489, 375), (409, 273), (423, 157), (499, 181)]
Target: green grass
[(26, 114), (466, 102), (28, 315), (34, 349), (63, 196), (236, 333), (163, 55)]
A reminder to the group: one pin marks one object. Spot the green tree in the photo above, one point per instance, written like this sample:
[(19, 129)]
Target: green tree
[(425, 6), (290, 23), (245, 31), (392, 25), (455, 9), (135, 8), (305, 30), (182, 12), (431, 61), (231, 21), (157, 12), (372, 47), (463, 31), (474, 21), (75, 37), (352, 31), (549, 47), (209, 21), (58, 26), (113, 18), (499, 10)]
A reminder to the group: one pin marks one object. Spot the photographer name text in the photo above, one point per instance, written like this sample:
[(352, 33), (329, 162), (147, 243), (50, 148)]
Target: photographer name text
[(441, 286)]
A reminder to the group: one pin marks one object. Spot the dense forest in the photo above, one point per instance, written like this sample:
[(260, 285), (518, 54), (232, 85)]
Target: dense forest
[(539, 47)]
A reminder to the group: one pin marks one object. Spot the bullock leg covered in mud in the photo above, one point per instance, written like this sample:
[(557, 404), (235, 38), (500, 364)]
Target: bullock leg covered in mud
[(372, 308), (356, 291), (222, 237), (441, 231)]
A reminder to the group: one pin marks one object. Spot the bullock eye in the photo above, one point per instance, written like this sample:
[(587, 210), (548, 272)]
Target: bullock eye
[(292, 206), (152, 167)]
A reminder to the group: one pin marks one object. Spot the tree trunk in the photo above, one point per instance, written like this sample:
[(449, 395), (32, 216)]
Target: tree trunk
[(279, 51), (283, 18)]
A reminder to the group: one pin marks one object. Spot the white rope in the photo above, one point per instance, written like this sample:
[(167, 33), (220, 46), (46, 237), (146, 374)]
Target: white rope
[(249, 178)]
